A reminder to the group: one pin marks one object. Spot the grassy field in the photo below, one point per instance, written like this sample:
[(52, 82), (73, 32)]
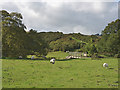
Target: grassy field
[(74, 73), (58, 55)]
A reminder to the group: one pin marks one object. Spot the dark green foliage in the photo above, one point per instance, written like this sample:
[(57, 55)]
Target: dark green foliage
[(64, 44), (93, 49), (71, 42), (16, 41), (40, 47), (117, 55), (13, 35), (110, 41), (95, 56), (50, 36)]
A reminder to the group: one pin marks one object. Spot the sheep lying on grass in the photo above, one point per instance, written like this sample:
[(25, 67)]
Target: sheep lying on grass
[(105, 65), (20, 57), (52, 61)]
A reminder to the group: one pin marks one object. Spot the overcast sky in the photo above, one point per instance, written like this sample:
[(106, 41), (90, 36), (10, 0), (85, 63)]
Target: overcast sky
[(67, 17)]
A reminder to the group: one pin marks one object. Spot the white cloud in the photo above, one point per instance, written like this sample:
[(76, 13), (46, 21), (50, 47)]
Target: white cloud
[(59, 0), (81, 29), (53, 3), (84, 17), (98, 6)]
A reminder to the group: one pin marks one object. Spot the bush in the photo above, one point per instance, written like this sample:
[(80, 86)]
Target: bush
[(94, 56), (117, 55), (100, 57)]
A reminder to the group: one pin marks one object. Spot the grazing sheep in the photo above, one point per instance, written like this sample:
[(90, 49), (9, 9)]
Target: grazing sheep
[(85, 55), (32, 57), (20, 57), (52, 61), (105, 65), (67, 51)]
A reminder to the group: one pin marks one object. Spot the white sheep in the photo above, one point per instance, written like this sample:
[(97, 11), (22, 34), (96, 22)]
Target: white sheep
[(32, 57), (20, 57), (85, 55), (52, 61), (105, 65), (67, 51)]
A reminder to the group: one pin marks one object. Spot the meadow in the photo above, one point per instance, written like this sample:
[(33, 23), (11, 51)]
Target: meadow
[(73, 73)]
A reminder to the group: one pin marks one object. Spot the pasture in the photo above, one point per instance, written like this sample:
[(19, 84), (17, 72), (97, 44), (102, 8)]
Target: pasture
[(74, 73), (57, 54)]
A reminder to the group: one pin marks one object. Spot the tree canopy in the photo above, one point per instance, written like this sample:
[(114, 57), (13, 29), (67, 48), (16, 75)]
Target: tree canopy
[(110, 41), (15, 40)]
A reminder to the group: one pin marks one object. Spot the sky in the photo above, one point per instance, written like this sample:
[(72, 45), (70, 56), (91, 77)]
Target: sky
[(78, 16)]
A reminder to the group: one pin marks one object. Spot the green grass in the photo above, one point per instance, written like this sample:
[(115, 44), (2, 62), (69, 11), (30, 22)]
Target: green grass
[(79, 40), (58, 54), (74, 73)]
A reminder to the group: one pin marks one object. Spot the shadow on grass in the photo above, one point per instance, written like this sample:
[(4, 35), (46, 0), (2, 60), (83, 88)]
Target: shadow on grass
[(64, 59), (26, 59)]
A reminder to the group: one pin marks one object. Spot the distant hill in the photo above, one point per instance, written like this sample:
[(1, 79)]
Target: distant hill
[(58, 41)]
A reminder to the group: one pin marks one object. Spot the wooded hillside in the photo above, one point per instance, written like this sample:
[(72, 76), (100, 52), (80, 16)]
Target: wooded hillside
[(17, 42)]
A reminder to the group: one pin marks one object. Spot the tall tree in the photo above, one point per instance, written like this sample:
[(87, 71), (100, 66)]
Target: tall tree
[(39, 46), (110, 41), (13, 35), (15, 40)]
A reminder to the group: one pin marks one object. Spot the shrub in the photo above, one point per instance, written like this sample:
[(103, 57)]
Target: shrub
[(117, 55), (94, 56)]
